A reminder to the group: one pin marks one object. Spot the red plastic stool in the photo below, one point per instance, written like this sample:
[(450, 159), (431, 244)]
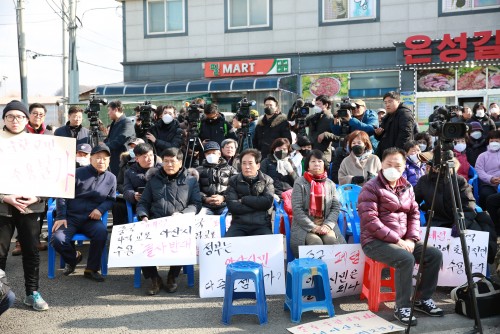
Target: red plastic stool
[(372, 282)]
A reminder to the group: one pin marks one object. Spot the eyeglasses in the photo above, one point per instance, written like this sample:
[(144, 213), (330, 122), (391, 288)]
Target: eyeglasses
[(11, 118), (38, 114)]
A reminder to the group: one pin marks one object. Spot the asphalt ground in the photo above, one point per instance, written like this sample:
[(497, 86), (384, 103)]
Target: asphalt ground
[(78, 305)]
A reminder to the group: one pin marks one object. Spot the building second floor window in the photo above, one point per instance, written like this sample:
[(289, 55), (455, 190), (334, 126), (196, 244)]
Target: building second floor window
[(166, 16), (468, 6), (248, 14), (336, 11)]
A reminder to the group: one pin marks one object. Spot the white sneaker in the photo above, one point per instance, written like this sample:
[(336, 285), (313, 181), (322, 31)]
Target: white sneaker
[(36, 301)]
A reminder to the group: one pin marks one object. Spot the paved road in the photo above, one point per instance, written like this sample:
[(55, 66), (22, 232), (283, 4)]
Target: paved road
[(78, 305)]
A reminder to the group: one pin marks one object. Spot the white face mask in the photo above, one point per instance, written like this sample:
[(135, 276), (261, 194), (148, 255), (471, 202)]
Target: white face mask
[(476, 134), (423, 147), (460, 147), (494, 110), (494, 146), (131, 153), (391, 174), (167, 119), (480, 113), (212, 158), (316, 109), (82, 161), (414, 158)]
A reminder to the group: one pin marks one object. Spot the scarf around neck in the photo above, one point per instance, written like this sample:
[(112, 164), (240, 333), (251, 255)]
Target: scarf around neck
[(317, 195)]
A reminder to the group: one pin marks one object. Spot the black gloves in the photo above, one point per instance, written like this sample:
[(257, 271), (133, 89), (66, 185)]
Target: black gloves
[(357, 179)]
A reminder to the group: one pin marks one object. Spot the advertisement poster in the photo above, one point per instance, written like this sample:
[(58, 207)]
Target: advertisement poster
[(493, 77), (331, 84), (425, 107), (437, 80), (471, 78)]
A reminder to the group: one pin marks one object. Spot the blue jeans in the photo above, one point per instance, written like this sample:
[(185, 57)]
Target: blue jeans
[(7, 302), (404, 262)]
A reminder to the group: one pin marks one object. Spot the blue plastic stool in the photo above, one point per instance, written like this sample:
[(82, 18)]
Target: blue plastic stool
[(296, 271), (244, 270)]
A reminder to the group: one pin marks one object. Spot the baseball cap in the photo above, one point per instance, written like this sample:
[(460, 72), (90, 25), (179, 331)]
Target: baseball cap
[(211, 145), (381, 110), (86, 148), (359, 102), (137, 141), (100, 148)]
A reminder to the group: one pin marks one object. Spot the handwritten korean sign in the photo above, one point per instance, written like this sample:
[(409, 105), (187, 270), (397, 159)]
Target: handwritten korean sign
[(363, 322), (47, 161), (216, 254), (163, 241), (345, 266), (452, 272)]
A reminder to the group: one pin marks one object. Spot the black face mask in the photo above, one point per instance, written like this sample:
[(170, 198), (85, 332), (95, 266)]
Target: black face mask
[(358, 150), (280, 155), (268, 111), (305, 152)]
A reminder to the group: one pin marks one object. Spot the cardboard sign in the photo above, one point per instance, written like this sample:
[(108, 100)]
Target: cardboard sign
[(45, 161), (356, 323), (345, 263), (158, 242), (216, 254), (452, 272)]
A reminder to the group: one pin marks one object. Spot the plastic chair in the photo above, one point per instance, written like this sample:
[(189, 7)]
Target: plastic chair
[(244, 270), (348, 197), (77, 237), (372, 282), (474, 182), (280, 213), (294, 301)]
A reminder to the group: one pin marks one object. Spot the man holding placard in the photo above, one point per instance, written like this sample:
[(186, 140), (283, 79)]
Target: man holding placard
[(169, 192)]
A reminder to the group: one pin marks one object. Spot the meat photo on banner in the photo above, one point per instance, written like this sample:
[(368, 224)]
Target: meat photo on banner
[(436, 80), (471, 78), (325, 84)]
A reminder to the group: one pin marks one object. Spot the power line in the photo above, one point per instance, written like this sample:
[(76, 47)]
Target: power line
[(104, 67)]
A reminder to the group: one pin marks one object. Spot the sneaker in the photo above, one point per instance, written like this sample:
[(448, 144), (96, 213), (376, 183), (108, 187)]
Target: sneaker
[(428, 307), (36, 301), (403, 315), (156, 285)]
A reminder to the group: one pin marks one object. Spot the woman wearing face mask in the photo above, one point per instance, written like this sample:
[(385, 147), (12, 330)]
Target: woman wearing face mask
[(488, 168), (424, 141), (319, 122), (480, 116), (279, 166), (459, 148), (361, 164), (476, 143), (315, 206), (414, 167)]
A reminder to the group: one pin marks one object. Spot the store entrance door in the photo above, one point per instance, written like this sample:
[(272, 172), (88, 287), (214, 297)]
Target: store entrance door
[(469, 101)]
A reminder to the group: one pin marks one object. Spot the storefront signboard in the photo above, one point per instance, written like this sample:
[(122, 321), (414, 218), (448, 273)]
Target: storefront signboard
[(243, 68), (330, 84)]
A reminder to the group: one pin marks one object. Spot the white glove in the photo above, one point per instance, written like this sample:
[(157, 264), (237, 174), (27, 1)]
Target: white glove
[(277, 198), (288, 166)]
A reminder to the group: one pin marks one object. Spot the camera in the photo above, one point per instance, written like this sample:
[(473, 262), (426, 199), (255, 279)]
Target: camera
[(301, 109), (93, 109), (243, 111), (344, 106), (440, 124), (146, 115), (194, 112)]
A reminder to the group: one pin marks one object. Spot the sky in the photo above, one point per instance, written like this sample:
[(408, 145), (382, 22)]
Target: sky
[(99, 42)]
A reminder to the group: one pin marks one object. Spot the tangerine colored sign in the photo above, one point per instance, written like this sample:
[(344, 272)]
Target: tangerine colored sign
[(238, 68)]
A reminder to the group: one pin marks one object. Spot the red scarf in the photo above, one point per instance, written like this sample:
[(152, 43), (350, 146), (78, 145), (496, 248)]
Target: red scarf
[(32, 130), (317, 196)]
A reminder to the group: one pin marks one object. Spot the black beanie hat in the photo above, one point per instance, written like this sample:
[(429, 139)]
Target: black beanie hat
[(15, 105)]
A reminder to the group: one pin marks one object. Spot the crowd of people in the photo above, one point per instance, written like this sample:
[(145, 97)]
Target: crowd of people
[(162, 171)]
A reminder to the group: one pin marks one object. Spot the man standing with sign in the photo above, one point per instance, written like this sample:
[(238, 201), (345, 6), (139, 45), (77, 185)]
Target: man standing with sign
[(169, 192), (21, 212), (95, 193)]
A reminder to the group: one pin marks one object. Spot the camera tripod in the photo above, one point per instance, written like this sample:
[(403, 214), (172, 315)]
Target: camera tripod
[(244, 137), (192, 142), (447, 167), (95, 136)]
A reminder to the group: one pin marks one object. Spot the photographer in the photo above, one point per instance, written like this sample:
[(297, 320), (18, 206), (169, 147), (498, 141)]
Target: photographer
[(319, 127), (121, 131), (74, 128), (237, 128), (271, 126), (214, 127), (166, 132), (359, 118)]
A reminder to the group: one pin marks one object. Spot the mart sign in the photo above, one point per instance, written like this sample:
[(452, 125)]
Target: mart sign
[(241, 68)]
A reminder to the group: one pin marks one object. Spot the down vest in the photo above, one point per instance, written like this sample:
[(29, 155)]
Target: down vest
[(388, 214), (214, 179)]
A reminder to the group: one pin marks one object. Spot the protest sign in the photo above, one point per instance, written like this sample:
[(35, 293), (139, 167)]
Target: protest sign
[(216, 254), (157, 242), (45, 161), (345, 266)]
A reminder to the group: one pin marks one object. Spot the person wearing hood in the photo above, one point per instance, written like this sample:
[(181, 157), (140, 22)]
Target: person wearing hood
[(214, 174), (171, 190), (74, 128), (280, 167), (480, 116), (397, 126), (477, 142), (361, 164), (271, 126), (166, 132), (488, 168), (414, 167)]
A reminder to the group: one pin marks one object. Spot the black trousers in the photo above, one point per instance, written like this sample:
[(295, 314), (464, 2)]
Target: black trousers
[(150, 272), (119, 212)]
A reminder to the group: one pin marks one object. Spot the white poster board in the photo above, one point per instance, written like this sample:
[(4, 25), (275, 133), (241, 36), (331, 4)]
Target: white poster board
[(452, 272), (215, 254), (357, 322), (346, 264), (45, 161), (157, 242)]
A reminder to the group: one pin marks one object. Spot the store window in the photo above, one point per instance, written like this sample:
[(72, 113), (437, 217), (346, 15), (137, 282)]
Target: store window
[(461, 7), (248, 15), (348, 11), (166, 17)]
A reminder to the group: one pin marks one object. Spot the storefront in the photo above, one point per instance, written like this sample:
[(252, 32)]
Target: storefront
[(454, 70)]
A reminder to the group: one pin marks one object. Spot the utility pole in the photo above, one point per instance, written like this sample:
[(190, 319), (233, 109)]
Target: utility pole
[(23, 71), (74, 84), (65, 60)]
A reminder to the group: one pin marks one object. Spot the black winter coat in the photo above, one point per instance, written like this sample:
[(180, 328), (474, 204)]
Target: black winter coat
[(214, 179), (82, 137), (475, 148), (398, 129), (167, 135), (338, 157), (250, 203), (486, 122), (216, 130), (282, 183), (267, 130), (164, 196), (134, 177), (121, 132)]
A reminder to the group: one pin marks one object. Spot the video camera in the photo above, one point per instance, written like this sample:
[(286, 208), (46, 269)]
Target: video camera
[(243, 111), (301, 109), (194, 112), (146, 115), (344, 106), (92, 112)]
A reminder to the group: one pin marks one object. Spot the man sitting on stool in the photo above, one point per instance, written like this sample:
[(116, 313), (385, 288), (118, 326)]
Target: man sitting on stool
[(95, 192)]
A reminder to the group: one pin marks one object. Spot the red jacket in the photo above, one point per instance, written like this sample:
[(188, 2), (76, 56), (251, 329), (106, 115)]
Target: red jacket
[(388, 214), (464, 164)]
